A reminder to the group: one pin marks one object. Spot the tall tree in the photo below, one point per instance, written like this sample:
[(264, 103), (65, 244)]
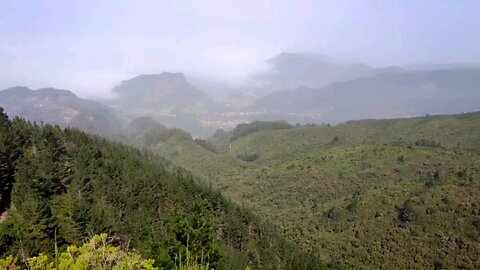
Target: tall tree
[(6, 164)]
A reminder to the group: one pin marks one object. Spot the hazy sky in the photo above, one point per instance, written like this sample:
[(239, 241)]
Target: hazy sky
[(89, 46)]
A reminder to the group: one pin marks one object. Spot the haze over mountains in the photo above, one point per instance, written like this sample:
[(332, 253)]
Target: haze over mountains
[(168, 91), (297, 87), (194, 135), (313, 70), (61, 107), (385, 95)]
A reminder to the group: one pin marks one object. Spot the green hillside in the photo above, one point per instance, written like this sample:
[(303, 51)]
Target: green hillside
[(60, 187), (386, 194)]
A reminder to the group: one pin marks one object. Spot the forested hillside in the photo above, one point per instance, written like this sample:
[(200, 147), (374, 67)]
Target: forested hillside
[(388, 194), (61, 186)]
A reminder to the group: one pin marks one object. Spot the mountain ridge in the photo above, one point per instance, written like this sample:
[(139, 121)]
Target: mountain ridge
[(166, 90), (386, 95), (60, 107)]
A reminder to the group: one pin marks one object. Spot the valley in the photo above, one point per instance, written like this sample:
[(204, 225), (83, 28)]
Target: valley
[(239, 135), (343, 191), (340, 191), (316, 92)]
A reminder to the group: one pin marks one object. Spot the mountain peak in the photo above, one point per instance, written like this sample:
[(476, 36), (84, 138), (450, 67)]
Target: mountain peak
[(20, 91), (173, 74), (309, 69), (17, 90), (159, 91), (60, 107), (50, 91)]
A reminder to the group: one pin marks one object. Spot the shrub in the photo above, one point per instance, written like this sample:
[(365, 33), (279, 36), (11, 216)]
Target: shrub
[(242, 130), (206, 145), (333, 213), (434, 178), (96, 254), (406, 213), (427, 143), (249, 157), (352, 207)]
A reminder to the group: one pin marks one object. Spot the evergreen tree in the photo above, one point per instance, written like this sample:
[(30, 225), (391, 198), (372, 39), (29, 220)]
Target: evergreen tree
[(6, 162)]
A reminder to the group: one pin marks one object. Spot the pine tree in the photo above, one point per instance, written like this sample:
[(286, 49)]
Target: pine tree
[(6, 164)]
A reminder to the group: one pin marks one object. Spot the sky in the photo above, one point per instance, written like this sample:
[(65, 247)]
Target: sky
[(90, 46)]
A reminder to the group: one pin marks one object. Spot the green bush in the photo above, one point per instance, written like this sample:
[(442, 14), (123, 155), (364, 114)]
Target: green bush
[(242, 130), (427, 143), (249, 157), (97, 253), (205, 144), (406, 212)]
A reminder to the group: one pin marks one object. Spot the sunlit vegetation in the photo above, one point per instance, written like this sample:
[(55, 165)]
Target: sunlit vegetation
[(379, 193), (97, 253), (145, 131), (61, 186), (243, 130)]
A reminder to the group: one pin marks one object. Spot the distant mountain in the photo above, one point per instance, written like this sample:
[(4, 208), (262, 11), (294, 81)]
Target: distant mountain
[(61, 107), (165, 91), (313, 70), (431, 67), (167, 97), (382, 96)]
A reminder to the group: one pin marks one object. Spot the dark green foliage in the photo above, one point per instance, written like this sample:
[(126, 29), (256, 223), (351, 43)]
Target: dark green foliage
[(206, 144), (6, 162), (427, 143), (144, 123), (68, 186), (301, 177), (249, 157), (333, 213), (196, 230), (476, 224), (406, 212), (352, 207), (146, 132), (156, 136), (243, 130), (434, 178)]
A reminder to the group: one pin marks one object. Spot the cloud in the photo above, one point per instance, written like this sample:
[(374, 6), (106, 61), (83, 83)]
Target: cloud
[(91, 45)]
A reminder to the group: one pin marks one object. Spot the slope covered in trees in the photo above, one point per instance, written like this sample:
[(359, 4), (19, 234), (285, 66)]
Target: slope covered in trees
[(61, 186), (401, 193)]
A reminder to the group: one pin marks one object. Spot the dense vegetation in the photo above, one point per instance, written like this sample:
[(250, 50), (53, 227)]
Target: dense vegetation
[(96, 254), (377, 194), (61, 186), (242, 130), (146, 132)]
